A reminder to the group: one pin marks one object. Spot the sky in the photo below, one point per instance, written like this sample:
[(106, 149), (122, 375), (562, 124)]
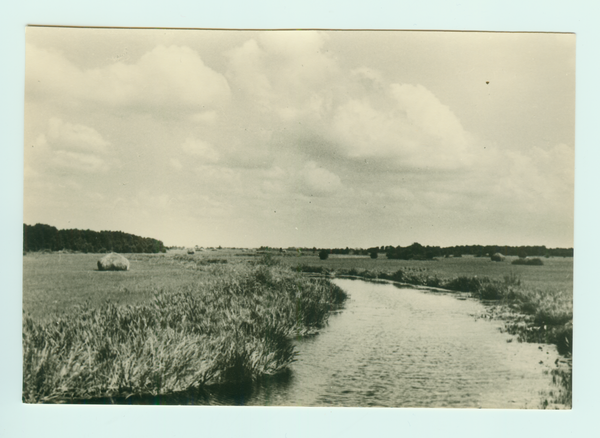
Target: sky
[(302, 138)]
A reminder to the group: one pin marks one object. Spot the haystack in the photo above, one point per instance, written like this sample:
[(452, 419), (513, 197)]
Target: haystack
[(498, 257), (113, 262)]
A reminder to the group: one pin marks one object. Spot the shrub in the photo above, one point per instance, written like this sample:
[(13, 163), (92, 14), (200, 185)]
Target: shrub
[(463, 284), (323, 254), (529, 262), (497, 257), (311, 269), (373, 254)]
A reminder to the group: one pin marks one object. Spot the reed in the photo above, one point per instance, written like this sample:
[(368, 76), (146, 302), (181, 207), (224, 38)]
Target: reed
[(236, 327)]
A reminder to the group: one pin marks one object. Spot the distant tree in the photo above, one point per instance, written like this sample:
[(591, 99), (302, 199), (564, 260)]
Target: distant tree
[(323, 254), (497, 257), (373, 254)]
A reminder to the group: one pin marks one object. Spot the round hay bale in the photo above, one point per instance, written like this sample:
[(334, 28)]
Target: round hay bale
[(113, 262)]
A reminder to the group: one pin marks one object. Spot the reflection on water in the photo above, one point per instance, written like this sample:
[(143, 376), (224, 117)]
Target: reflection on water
[(403, 347), (400, 348)]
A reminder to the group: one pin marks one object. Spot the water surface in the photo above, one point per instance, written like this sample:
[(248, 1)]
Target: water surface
[(394, 347)]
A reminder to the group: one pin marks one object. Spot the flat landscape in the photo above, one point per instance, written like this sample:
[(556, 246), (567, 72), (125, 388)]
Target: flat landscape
[(54, 283), (227, 291)]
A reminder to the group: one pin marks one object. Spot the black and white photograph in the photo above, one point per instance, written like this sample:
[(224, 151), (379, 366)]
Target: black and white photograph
[(298, 218)]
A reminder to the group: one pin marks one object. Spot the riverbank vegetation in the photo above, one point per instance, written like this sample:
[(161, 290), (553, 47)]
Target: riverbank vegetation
[(236, 325), (535, 311)]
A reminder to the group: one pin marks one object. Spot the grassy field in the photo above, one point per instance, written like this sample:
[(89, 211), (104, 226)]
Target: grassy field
[(557, 272), (54, 283), (172, 325), (71, 309)]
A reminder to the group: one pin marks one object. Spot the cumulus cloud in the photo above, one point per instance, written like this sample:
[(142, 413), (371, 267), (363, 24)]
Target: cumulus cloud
[(79, 161), (318, 181), (287, 75), (247, 71), (205, 117), (290, 123), (176, 164), (425, 112), (414, 129), (165, 77), (200, 149), (217, 180), (67, 146), (291, 80), (68, 136), (538, 179)]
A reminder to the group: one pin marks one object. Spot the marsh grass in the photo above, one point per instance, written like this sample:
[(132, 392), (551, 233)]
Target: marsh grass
[(235, 327), (556, 271), (548, 312)]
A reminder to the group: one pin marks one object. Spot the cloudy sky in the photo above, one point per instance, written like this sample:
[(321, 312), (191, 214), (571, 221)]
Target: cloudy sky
[(327, 139)]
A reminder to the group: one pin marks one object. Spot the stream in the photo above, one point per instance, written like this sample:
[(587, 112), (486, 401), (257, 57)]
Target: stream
[(403, 347)]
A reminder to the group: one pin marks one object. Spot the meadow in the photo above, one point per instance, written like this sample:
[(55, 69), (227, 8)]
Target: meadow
[(171, 326), (176, 323), (557, 272)]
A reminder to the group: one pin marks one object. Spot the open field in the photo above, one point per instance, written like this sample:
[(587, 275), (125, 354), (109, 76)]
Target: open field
[(67, 291), (557, 272), (54, 283), (175, 326)]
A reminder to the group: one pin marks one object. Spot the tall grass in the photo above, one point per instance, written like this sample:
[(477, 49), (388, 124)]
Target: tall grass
[(235, 328)]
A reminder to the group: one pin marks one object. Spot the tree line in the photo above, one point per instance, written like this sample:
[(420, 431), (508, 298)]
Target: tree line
[(420, 252), (41, 237), (417, 251)]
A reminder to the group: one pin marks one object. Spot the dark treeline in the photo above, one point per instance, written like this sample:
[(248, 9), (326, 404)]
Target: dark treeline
[(420, 252), (45, 237), (417, 251)]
